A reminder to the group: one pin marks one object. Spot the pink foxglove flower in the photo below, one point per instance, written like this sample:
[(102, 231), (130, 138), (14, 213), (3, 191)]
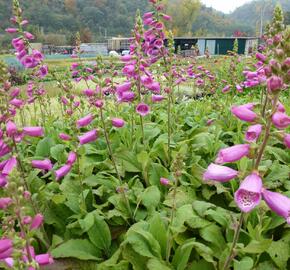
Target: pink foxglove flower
[(278, 203), (44, 259), (36, 222), (118, 122), (62, 171), (233, 153), (64, 136), (248, 196), (4, 148), (280, 120), (253, 133), (11, 128), (84, 121), (9, 166), (226, 89), (72, 157), (164, 181), (42, 164), (5, 202), (261, 57), (143, 109), (124, 87), (11, 30), (6, 248), (88, 137), (219, 173), (17, 102), (33, 131), (89, 92), (126, 96), (3, 180), (287, 140), (274, 83), (244, 112), (157, 98)]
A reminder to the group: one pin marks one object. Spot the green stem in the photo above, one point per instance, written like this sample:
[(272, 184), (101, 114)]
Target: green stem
[(234, 243), (169, 129)]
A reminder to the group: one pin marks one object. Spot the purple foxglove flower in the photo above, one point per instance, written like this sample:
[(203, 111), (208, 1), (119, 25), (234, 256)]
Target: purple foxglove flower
[(9, 166), (239, 88), (278, 203), (84, 121), (18, 44), (166, 17), (219, 173), (6, 254), (154, 87), (4, 148), (129, 70), (274, 83), (126, 58), (88, 137), (72, 157), (157, 98), (11, 129), (42, 164), (43, 71), (37, 55), (124, 87), (29, 62), (44, 259), (280, 120), (89, 92), (261, 57), (36, 222), (64, 136), (287, 140), (74, 66), (27, 220), (253, 133), (15, 92), (226, 89), (248, 196), (127, 96), (16, 102), (118, 122), (5, 244), (29, 35), (143, 109), (233, 153), (11, 30), (164, 181), (5, 202), (244, 113), (99, 103), (3, 180), (33, 131), (62, 171)]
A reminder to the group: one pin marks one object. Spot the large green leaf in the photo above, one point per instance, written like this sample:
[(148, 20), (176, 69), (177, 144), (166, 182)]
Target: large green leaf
[(280, 253), (245, 263), (257, 246), (81, 249), (182, 254), (157, 265), (43, 147), (213, 234), (151, 197)]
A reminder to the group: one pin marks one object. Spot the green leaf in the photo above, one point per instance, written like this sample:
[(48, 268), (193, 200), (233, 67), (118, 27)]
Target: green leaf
[(43, 147), (138, 261), (100, 234), (245, 264), (182, 254), (257, 246), (87, 222), (81, 249), (151, 197), (201, 265), (280, 253), (57, 152), (158, 230), (156, 172), (157, 265), (129, 161), (213, 234), (279, 154)]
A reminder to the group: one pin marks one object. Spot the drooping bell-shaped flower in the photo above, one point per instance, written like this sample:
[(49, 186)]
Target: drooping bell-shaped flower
[(274, 83), (118, 122), (278, 203), (64, 136), (233, 153), (84, 121), (33, 131), (42, 164), (280, 120), (253, 133), (157, 98), (4, 148), (164, 181), (36, 222), (6, 248), (71, 159), (5, 202), (248, 196), (244, 112), (143, 109), (62, 171), (219, 173), (11, 128), (9, 166), (44, 259), (88, 137)]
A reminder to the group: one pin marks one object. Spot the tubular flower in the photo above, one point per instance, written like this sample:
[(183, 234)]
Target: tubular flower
[(278, 203), (72, 157), (118, 122), (253, 133), (33, 131), (36, 222), (280, 120), (248, 196), (244, 113), (42, 164), (287, 140), (88, 137), (233, 153), (62, 171), (84, 121), (143, 109), (219, 173)]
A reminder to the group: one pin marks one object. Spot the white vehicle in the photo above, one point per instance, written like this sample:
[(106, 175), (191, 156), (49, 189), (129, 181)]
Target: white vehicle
[(113, 54)]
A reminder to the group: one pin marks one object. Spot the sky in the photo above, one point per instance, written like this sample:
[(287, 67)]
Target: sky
[(225, 6)]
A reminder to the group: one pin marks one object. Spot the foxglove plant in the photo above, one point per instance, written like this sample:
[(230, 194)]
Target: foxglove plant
[(252, 189)]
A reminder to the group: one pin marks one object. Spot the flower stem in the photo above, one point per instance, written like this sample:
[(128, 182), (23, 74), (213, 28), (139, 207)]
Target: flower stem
[(234, 243)]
